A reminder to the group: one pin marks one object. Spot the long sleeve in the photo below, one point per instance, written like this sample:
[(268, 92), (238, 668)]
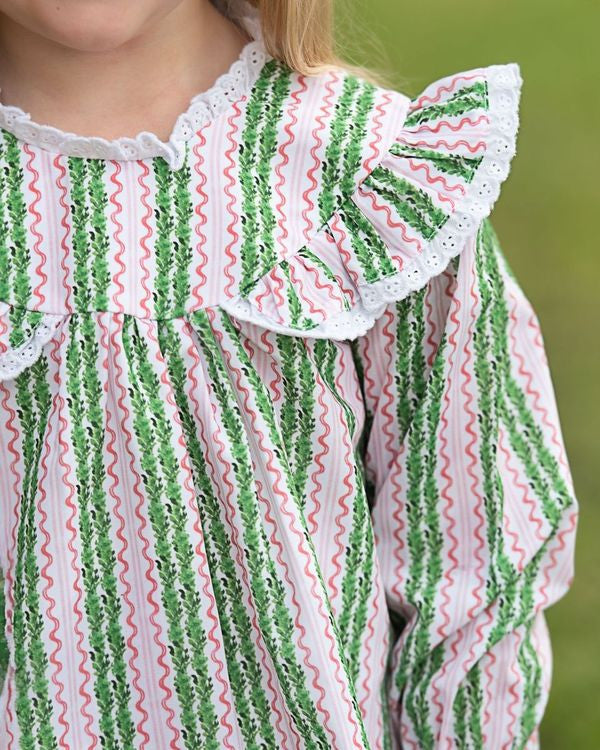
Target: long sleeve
[(472, 503)]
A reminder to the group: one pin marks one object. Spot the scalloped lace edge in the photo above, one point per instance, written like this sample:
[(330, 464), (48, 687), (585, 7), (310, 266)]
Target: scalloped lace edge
[(504, 83), (15, 360), (346, 325), (230, 87)]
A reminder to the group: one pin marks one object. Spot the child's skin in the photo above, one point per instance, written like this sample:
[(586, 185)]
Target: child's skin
[(111, 68)]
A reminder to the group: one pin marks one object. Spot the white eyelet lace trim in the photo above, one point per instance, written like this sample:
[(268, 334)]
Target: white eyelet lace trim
[(504, 87), (14, 361), (204, 107), (346, 325)]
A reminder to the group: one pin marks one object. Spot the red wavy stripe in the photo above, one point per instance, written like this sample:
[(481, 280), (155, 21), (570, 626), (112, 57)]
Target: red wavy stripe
[(431, 180), (348, 291), (228, 172), (64, 222), (533, 323), (416, 166), (288, 130), (489, 691), (383, 652), (475, 649), (376, 132), (479, 632), (445, 89), (144, 240), (276, 485), (9, 678), (535, 395), (386, 408), (258, 297), (390, 222), (216, 476), (34, 226), (444, 124), (510, 729), (365, 343), (275, 383), (4, 346), (329, 288), (320, 312), (438, 680), (472, 148), (202, 218), (275, 542), (407, 741), (368, 651), (432, 340), (4, 308), (537, 337), (337, 228), (315, 494), (117, 234), (275, 287)]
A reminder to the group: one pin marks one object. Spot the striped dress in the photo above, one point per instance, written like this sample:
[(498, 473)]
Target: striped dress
[(280, 461)]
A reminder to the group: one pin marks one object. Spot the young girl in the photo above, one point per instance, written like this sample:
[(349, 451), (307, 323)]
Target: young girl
[(281, 465)]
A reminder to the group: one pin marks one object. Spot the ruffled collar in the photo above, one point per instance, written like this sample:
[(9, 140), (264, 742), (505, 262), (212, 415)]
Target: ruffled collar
[(204, 107)]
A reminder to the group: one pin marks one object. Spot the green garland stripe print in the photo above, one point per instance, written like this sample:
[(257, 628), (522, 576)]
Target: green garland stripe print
[(280, 462)]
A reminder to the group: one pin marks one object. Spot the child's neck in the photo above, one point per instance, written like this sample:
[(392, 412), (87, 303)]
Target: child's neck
[(142, 84)]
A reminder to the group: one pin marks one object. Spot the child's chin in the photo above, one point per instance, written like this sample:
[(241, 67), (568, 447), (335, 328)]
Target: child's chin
[(90, 25)]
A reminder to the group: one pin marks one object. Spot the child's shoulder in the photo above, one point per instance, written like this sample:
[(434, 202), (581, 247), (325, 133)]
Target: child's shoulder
[(383, 188)]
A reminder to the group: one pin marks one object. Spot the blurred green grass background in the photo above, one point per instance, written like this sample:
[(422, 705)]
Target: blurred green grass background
[(545, 219)]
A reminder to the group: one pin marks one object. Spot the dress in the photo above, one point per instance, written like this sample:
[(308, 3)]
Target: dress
[(281, 465)]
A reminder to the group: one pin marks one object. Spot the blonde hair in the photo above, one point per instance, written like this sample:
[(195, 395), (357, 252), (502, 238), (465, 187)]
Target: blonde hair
[(300, 33)]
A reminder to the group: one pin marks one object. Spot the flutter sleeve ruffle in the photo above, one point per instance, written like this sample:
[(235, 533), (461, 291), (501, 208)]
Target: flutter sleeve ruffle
[(406, 218)]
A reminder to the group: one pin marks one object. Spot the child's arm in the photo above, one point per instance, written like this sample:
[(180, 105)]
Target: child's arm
[(474, 509)]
